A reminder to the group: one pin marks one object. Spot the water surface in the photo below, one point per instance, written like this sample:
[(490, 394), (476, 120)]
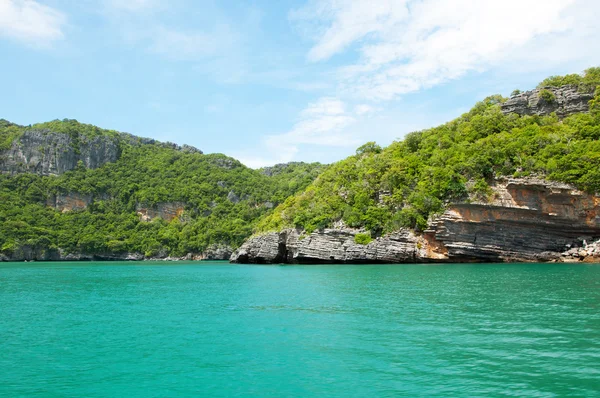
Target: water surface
[(219, 330)]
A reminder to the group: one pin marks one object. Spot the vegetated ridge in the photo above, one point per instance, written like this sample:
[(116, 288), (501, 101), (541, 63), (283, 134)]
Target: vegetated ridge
[(513, 179), (71, 191)]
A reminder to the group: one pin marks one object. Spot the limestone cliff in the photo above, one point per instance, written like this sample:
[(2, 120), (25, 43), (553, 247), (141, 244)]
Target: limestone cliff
[(44, 152), (168, 211), (527, 220), (328, 246), (69, 201), (566, 101)]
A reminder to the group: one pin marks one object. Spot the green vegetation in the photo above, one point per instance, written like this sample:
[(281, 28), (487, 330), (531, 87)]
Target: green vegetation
[(223, 199), (363, 239), (547, 95), (404, 184), (294, 176), (8, 133), (586, 82), (378, 189)]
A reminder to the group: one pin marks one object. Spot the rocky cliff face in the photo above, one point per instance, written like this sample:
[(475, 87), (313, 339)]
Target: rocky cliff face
[(328, 246), (527, 220), (69, 202), (567, 101), (215, 252), (43, 253), (47, 153), (168, 211)]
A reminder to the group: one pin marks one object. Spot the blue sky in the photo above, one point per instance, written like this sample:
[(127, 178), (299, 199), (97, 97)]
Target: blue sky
[(278, 81)]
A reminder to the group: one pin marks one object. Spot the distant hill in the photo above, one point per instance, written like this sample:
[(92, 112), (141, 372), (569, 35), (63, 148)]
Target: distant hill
[(72, 190)]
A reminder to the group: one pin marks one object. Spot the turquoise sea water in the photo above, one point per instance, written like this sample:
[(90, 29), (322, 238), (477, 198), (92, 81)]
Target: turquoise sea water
[(213, 329)]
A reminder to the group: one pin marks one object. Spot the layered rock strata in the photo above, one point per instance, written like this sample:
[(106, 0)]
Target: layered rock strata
[(567, 101), (526, 220), (328, 246)]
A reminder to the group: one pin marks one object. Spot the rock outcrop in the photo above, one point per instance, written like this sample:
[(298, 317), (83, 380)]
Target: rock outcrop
[(527, 220), (135, 140), (328, 246), (41, 252), (69, 201), (44, 152), (567, 101), (168, 211), (215, 252), (586, 253)]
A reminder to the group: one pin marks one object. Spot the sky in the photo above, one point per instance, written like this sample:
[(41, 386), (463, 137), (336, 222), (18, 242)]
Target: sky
[(276, 81)]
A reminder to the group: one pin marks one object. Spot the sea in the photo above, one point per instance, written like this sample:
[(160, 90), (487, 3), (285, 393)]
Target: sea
[(212, 329)]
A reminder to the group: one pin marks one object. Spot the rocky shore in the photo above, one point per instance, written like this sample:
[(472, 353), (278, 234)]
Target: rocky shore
[(29, 253), (527, 220)]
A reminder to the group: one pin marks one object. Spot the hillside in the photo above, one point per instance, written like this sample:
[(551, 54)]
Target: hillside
[(70, 190), (513, 178), (536, 137)]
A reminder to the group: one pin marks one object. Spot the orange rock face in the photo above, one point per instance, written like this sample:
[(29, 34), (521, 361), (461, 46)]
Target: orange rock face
[(168, 211), (527, 220), (69, 202)]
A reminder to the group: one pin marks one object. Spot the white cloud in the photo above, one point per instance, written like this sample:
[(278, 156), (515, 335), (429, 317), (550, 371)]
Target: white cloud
[(132, 5), (407, 45), (322, 123), (31, 22), (364, 109), (348, 21), (404, 46)]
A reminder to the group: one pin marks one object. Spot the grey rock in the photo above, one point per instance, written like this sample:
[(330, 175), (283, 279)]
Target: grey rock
[(328, 246), (233, 197), (36, 252), (135, 140), (189, 149), (76, 257), (279, 168), (46, 153), (118, 257), (568, 100), (225, 162), (216, 252)]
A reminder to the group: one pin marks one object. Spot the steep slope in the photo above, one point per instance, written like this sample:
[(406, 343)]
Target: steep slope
[(74, 191), (435, 195)]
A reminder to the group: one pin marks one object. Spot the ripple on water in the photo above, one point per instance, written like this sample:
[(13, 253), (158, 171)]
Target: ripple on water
[(94, 330)]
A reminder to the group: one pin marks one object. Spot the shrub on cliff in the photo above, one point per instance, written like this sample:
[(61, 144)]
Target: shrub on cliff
[(587, 82), (363, 239), (547, 95)]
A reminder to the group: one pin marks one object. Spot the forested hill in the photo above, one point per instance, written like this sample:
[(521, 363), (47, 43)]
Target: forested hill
[(550, 132), (72, 190), (75, 191)]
